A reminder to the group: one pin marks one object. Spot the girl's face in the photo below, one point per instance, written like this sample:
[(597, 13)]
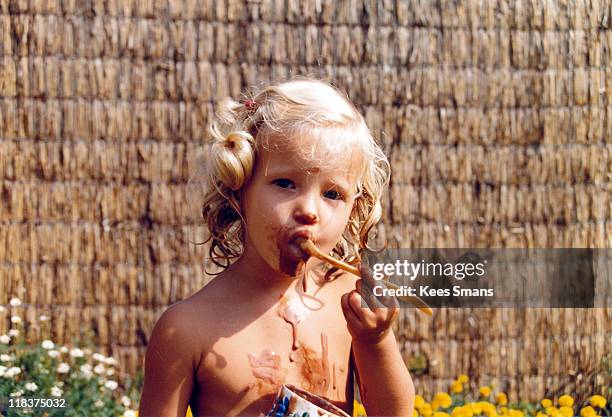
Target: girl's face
[(291, 195)]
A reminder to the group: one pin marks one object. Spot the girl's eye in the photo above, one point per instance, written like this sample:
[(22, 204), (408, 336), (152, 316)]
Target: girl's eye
[(283, 183), (334, 195)]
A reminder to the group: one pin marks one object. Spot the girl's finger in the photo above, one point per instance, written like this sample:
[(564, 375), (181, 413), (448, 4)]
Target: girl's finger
[(366, 275), (348, 311), (352, 320), (366, 293), (387, 316), (382, 301), (365, 313)]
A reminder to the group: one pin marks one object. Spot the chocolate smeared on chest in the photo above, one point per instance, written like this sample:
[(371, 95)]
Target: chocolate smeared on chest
[(293, 312), (266, 368), (314, 367)]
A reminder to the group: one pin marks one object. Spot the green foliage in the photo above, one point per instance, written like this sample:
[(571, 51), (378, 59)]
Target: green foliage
[(84, 380)]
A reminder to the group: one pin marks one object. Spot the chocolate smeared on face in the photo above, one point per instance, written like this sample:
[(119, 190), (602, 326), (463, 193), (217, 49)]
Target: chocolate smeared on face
[(291, 260)]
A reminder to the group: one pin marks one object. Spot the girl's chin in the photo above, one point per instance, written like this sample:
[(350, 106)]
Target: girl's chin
[(293, 269), (292, 260)]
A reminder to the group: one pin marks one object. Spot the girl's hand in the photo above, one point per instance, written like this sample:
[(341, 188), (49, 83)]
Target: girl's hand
[(368, 317)]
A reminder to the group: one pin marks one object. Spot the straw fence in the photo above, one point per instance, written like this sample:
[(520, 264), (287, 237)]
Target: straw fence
[(496, 115)]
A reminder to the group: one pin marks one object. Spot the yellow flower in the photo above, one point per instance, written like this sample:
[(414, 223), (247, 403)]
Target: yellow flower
[(456, 387), (588, 411), (418, 401), (566, 401), (484, 391), (441, 399), (463, 378), (501, 398), (462, 411), (598, 401), (516, 413), (552, 411), (541, 414), (415, 413), (504, 411), (358, 409), (189, 414), (546, 403), (440, 414), (566, 411), (476, 408), (426, 410), (488, 408)]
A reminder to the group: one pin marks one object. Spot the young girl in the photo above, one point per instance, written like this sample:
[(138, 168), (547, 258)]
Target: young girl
[(294, 160)]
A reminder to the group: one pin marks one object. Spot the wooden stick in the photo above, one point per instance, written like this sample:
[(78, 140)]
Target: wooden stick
[(310, 248)]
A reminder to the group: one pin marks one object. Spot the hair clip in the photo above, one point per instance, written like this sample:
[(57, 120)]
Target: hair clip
[(251, 105)]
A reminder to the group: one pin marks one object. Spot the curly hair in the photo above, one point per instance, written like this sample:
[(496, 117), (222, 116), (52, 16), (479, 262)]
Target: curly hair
[(272, 116)]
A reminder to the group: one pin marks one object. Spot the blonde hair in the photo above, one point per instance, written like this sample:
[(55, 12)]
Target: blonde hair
[(279, 113)]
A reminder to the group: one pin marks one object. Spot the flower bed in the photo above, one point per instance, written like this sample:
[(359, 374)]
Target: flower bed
[(87, 383)]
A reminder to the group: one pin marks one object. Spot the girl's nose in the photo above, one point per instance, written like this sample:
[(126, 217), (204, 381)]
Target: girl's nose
[(307, 218), (306, 211)]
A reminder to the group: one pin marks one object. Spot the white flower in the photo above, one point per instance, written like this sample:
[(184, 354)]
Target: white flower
[(98, 357), (16, 319), (5, 338), (31, 386), (2, 370), (63, 368), (99, 369), (125, 400), (77, 353), (2, 309), (99, 403), (56, 391), (12, 371), (47, 344), (110, 361), (129, 413), (5, 358), (43, 317), (15, 302), (110, 372), (17, 393), (86, 370), (13, 332), (111, 385), (64, 349), (53, 353)]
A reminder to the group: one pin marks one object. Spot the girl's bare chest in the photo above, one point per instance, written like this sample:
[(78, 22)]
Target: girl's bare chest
[(309, 350)]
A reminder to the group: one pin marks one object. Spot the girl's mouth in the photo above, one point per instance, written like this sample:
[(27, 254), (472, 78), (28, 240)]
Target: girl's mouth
[(298, 254), (292, 258), (293, 249)]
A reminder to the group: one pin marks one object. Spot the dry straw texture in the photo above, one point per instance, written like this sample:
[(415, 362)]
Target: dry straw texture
[(496, 115)]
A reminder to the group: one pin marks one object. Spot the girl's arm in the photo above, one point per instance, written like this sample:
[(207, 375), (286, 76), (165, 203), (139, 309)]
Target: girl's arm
[(385, 384), (384, 381), (169, 368)]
